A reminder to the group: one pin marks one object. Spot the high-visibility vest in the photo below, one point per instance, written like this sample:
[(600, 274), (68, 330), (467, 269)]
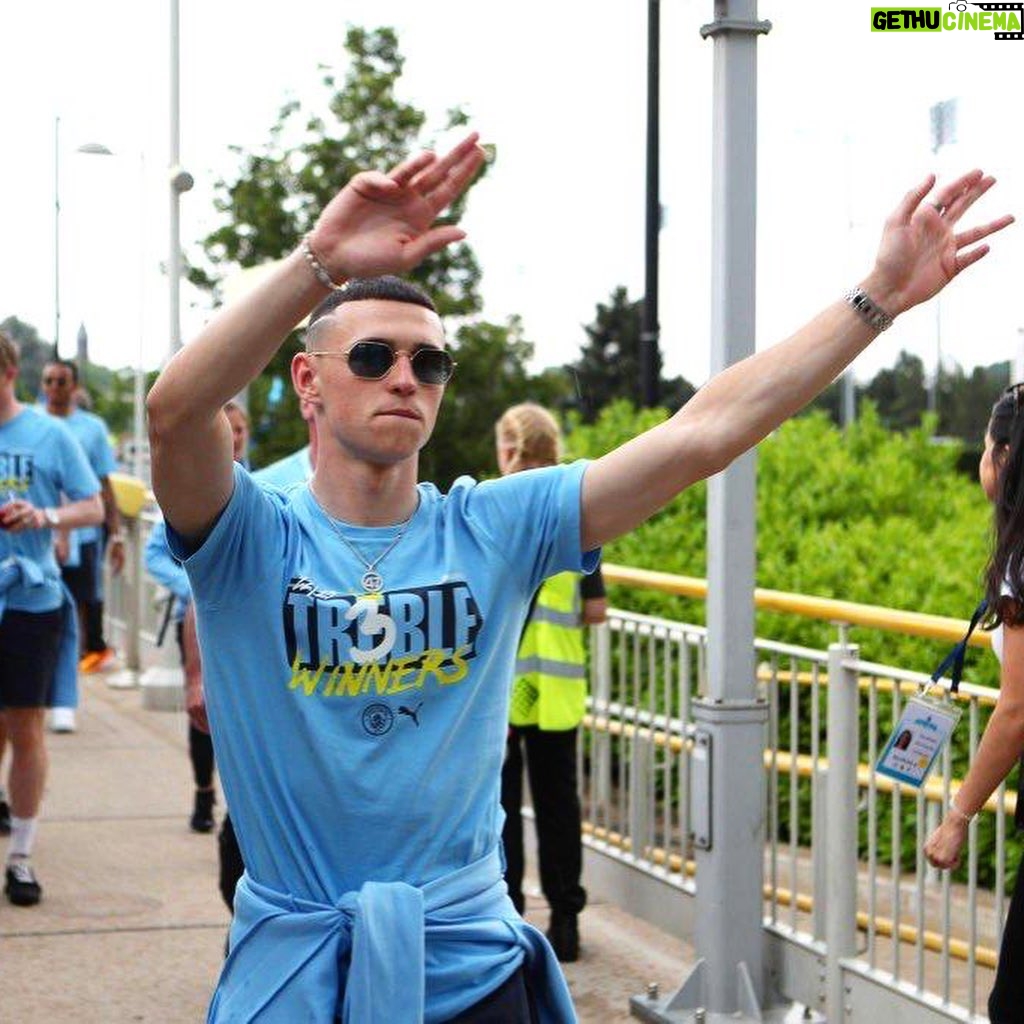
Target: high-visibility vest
[(550, 685)]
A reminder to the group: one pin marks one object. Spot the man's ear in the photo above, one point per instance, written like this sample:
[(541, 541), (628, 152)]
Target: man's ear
[(305, 378)]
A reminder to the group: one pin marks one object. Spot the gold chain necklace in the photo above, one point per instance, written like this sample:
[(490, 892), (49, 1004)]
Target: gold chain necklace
[(372, 581)]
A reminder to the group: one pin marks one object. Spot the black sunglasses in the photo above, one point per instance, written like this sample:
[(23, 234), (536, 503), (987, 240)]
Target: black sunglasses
[(61, 382), (373, 359)]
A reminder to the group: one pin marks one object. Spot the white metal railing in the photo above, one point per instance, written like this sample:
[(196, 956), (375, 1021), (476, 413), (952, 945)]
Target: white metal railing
[(860, 925), (878, 915)]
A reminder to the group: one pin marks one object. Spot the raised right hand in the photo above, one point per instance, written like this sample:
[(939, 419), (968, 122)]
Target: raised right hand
[(942, 848), (382, 223)]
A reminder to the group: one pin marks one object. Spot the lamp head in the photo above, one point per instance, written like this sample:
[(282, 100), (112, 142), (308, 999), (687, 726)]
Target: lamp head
[(181, 180)]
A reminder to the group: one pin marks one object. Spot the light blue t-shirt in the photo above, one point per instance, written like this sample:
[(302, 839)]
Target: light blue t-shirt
[(168, 570), (91, 433), (40, 461), (292, 469), (360, 740)]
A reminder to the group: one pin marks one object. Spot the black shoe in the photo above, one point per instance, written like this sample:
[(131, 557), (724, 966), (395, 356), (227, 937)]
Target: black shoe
[(5, 818), (202, 811), (564, 936), (22, 888)]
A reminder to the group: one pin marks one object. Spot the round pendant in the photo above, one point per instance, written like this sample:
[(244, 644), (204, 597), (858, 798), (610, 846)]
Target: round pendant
[(373, 582)]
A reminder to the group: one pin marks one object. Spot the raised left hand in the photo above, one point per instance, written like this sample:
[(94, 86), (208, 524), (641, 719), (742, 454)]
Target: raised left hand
[(921, 251)]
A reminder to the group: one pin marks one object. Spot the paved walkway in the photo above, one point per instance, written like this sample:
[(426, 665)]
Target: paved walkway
[(131, 927)]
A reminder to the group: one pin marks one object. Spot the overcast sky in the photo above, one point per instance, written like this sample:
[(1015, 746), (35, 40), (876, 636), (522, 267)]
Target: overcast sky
[(559, 88)]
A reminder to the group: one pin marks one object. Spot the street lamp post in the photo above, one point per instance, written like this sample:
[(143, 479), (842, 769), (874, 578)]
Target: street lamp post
[(138, 398), (90, 148), (181, 181)]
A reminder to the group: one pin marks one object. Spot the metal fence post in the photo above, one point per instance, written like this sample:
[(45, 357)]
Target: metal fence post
[(601, 688), (841, 823), (124, 606)]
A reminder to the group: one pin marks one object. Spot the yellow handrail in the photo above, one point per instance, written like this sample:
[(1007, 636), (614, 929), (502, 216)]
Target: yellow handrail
[(933, 627)]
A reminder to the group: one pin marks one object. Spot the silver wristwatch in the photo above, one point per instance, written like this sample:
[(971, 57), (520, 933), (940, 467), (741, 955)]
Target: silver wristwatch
[(872, 313)]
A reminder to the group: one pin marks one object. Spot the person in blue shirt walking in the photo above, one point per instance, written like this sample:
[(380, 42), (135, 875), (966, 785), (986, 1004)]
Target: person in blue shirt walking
[(167, 570), (82, 568), (285, 473), (359, 634), (40, 462)]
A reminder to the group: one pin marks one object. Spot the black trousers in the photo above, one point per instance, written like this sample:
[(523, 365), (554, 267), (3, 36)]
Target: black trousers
[(1006, 1002), (83, 580), (230, 862), (510, 1003), (551, 765), (200, 744), (200, 752)]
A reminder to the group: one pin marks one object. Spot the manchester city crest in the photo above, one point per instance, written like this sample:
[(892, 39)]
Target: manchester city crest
[(378, 719)]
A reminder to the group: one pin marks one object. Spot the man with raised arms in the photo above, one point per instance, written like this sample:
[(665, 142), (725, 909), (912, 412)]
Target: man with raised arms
[(367, 808)]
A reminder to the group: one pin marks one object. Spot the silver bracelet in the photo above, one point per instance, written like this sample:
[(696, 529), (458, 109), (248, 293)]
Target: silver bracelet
[(870, 312), (957, 813), (320, 272)]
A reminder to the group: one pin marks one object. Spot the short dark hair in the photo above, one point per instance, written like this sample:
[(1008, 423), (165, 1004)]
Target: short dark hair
[(66, 364), (359, 289)]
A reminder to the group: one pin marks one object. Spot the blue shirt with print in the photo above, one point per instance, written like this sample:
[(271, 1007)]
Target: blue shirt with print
[(40, 462), (361, 738)]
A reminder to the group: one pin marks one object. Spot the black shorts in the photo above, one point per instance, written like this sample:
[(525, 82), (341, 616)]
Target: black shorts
[(510, 1003), (29, 645), (82, 579)]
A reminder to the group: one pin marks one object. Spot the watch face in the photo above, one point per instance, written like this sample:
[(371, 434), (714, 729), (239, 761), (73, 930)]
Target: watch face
[(51, 517)]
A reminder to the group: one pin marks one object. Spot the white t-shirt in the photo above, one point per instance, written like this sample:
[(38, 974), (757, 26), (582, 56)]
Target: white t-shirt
[(997, 633)]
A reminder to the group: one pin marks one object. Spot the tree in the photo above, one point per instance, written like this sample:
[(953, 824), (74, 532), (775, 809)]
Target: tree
[(279, 192), (899, 393), (34, 355), (965, 402), (609, 364)]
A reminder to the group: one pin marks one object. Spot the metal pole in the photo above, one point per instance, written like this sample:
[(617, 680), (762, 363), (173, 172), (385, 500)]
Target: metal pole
[(848, 403), (730, 873), (727, 781), (56, 238), (139, 469), (174, 260), (649, 329), (933, 388), (841, 824)]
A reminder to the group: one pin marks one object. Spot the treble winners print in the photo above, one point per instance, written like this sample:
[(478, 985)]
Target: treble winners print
[(351, 645)]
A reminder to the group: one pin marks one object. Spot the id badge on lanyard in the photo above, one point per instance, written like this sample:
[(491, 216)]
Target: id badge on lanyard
[(915, 744), (926, 723)]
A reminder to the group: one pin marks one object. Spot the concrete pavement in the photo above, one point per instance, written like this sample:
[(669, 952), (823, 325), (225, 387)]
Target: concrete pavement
[(132, 927)]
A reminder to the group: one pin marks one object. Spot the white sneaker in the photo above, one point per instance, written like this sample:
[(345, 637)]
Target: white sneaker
[(62, 719)]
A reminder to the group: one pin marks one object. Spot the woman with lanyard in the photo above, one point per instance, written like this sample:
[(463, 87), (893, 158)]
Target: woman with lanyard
[(1001, 473)]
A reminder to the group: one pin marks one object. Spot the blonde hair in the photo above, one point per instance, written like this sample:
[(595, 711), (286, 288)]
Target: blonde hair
[(533, 435), (9, 355), (233, 406)]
